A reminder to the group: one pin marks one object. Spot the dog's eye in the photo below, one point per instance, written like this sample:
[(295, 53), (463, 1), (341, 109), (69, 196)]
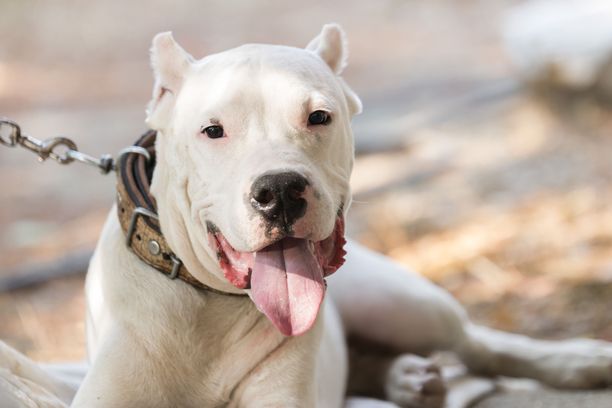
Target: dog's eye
[(213, 132), (319, 117)]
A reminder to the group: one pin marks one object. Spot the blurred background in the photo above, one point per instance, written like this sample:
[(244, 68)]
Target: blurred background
[(483, 154)]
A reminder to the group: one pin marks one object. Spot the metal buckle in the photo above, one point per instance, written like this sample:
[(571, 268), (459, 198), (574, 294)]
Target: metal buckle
[(176, 265), (138, 212), (143, 212)]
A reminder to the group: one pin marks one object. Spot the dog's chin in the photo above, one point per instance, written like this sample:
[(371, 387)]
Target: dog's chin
[(286, 277)]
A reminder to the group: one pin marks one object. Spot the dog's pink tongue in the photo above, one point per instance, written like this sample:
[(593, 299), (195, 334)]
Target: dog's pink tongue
[(287, 285)]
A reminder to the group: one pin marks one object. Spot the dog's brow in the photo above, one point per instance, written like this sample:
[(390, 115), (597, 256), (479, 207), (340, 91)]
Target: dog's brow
[(317, 101)]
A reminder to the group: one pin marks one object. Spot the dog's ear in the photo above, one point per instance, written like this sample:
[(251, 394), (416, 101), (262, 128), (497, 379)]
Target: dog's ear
[(170, 63), (354, 102), (330, 45)]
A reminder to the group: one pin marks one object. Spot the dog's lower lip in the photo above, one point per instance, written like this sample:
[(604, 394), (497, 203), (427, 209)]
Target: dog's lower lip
[(268, 244), (276, 240)]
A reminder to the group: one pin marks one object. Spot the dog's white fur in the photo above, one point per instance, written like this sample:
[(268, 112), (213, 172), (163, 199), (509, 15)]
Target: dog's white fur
[(156, 343)]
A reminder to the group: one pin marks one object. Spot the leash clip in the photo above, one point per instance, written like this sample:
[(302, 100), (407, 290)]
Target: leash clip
[(61, 149), (10, 132)]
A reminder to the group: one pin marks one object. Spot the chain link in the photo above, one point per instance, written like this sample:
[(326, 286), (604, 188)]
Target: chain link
[(60, 149)]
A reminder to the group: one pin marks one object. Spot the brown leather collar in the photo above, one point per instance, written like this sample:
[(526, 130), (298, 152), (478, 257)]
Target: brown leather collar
[(137, 212)]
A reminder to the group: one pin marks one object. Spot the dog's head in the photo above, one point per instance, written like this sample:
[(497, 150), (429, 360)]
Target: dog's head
[(255, 152)]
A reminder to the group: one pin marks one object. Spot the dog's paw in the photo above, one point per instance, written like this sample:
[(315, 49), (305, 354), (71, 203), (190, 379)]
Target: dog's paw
[(415, 382), (579, 363)]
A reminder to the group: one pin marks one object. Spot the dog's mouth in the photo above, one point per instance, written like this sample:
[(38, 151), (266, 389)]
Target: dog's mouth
[(286, 278)]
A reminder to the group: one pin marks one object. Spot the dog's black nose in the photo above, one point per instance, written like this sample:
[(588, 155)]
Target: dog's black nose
[(278, 197)]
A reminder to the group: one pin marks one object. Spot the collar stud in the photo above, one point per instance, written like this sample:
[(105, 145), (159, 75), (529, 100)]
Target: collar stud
[(154, 247)]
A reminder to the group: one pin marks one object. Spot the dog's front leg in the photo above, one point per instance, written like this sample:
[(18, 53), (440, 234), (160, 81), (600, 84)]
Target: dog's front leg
[(122, 375)]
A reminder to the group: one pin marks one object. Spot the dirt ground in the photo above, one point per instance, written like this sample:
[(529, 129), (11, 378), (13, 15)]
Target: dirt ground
[(498, 193)]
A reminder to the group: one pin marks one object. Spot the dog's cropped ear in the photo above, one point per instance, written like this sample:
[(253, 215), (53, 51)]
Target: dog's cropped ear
[(170, 63), (354, 102), (330, 45)]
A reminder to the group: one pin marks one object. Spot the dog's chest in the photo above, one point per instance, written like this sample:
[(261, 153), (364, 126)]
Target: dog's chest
[(213, 355)]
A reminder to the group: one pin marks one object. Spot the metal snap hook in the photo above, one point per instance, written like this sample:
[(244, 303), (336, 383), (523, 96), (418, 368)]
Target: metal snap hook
[(49, 147)]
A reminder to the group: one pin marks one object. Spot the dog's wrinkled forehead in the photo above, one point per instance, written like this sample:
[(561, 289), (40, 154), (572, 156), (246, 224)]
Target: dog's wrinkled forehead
[(282, 76), (254, 80), (262, 60)]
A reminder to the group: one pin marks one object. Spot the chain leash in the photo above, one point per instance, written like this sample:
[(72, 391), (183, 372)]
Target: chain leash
[(61, 149)]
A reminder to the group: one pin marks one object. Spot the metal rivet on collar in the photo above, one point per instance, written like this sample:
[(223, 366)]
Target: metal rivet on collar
[(154, 247)]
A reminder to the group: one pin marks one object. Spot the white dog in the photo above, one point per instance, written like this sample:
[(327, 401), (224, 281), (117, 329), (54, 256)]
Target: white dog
[(253, 156)]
